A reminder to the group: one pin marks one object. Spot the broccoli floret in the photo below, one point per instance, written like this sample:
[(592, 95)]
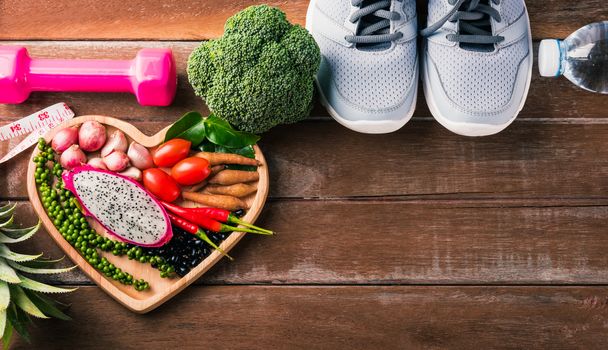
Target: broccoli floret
[(260, 73)]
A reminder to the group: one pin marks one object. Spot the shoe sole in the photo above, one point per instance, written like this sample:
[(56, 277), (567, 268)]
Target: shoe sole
[(475, 129), (363, 126)]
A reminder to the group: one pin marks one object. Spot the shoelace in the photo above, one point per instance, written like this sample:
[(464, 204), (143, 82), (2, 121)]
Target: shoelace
[(473, 19), (375, 31)]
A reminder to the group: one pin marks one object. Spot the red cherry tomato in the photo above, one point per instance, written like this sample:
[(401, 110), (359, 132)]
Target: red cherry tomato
[(160, 184), (191, 171), (171, 152)]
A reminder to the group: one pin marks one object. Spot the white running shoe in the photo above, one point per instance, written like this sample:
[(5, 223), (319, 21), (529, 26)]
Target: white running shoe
[(368, 79), (476, 63)]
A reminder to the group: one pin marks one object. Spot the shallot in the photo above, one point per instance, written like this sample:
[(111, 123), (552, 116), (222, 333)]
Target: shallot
[(72, 157), (91, 136), (139, 156), (116, 142), (97, 163), (64, 138), (116, 161), (133, 173)]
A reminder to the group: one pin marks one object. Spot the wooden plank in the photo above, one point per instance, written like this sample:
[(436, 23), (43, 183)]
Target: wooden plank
[(549, 99), (325, 160), (196, 20), (337, 318), (429, 242)]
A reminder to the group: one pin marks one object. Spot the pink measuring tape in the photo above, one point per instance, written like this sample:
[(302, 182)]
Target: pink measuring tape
[(36, 125)]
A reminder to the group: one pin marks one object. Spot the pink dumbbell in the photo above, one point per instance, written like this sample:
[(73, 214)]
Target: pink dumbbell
[(150, 76)]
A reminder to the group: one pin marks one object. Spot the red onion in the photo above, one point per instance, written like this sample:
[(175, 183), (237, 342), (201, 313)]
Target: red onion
[(72, 157), (64, 138), (97, 163), (116, 142), (139, 156), (91, 136), (116, 161)]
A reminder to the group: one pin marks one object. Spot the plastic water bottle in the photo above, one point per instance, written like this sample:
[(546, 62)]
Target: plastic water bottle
[(582, 57)]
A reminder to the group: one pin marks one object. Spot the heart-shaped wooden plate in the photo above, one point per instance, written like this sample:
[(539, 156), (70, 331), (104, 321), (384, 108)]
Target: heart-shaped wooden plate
[(161, 289)]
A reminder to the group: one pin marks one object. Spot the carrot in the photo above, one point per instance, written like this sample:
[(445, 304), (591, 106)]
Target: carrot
[(236, 190), (216, 200), (194, 188), (227, 158), (232, 177)]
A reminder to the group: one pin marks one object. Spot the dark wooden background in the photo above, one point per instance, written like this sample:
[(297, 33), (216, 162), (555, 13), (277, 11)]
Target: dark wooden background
[(417, 239)]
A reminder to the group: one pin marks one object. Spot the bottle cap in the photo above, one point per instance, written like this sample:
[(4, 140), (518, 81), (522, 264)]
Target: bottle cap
[(549, 58)]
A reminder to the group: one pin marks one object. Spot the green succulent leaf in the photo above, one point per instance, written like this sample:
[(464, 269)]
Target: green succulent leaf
[(20, 236), (19, 233), (184, 123), (39, 271), (8, 254), (24, 303), (7, 274), (5, 295), (41, 263), (47, 306), (7, 210), (7, 223), (19, 321), (7, 335), (2, 322), (41, 287)]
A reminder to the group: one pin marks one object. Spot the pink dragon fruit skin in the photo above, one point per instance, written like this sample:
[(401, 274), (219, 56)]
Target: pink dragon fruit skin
[(69, 184)]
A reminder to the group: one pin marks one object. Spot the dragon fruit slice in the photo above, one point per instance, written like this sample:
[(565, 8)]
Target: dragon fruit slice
[(121, 205)]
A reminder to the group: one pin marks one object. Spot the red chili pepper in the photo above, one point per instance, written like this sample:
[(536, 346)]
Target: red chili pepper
[(210, 222), (195, 230)]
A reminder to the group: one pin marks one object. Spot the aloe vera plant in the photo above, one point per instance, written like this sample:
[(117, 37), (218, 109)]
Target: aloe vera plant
[(20, 296)]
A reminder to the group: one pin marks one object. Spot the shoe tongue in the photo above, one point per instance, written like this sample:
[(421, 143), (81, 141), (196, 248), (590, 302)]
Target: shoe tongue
[(368, 20), (484, 23)]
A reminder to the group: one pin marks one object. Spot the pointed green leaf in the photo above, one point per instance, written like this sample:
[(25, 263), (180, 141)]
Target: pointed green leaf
[(7, 334), (22, 236), (41, 287), (7, 253), (24, 303), (7, 274), (5, 295), (47, 306), (41, 263), (182, 124), (20, 232), (39, 271), (8, 223), (2, 322), (7, 210), (19, 321)]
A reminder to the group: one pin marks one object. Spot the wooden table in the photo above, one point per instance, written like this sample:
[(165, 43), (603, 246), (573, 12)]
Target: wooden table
[(416, 239)]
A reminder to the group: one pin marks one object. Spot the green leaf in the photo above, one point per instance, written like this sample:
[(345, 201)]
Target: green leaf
[(184, 123), (47, 306), (7, 335), (15, 233), (5, 295), (221, 133), (196, 134), (19, 321), (18, 235), (39, 271), (24, 303), (7, 253), (7, 274), (2, 322), (7, 210), (40, 263), (41, 287), (7, 223)]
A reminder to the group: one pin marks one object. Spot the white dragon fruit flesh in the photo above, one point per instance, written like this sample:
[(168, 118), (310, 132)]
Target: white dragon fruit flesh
[(121, 205)]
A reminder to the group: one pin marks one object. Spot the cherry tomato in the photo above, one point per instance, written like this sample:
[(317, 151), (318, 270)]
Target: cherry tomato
[(171, 152), (191, 171), (160, 184)]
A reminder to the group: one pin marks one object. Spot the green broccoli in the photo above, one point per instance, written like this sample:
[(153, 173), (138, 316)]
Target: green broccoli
[(260, 73)]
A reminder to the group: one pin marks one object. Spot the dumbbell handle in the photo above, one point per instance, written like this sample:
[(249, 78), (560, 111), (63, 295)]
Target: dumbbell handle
[(81, 75)]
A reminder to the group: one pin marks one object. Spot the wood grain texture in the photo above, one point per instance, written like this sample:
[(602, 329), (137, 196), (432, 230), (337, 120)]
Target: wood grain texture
[(422, 160), (197, 20), (414, 242), (259, 317), (549, 99), (162, 289)]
